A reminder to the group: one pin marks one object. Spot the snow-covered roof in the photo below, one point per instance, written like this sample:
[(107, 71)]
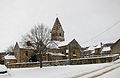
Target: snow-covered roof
[(93, 52), (106, 48), (9, 57), (52, 45), (56, 44), (63, 43), (23, 45), (90, 48), (3, 68), (55, 54), (98, 46)]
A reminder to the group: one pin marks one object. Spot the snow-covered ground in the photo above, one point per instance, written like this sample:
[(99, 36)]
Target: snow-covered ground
[(69, 71), (113, 74), (105, 72), (3, 68)]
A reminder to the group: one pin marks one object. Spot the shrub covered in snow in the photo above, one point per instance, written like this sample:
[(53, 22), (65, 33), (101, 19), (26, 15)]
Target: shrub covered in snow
[(3, 69)]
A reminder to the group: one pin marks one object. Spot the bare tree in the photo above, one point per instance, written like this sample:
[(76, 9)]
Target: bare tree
[(10, 49), (40, 36)]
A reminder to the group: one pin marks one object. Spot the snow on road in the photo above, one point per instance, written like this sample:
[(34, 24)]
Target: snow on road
[(105, 70), (101, 72), (113, 74)]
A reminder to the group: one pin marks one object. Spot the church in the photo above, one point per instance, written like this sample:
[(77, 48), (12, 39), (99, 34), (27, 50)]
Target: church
[(58, 49)]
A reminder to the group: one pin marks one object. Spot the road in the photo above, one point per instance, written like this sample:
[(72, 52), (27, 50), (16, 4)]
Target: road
[(99, 72)]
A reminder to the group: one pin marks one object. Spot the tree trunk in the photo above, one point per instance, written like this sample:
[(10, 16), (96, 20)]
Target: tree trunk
[(40, 59)]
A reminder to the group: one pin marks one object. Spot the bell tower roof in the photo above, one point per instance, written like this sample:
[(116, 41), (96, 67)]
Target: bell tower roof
[(57, 25), (57, 33)]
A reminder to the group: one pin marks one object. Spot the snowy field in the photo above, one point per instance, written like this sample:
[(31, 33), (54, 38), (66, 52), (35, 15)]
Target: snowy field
[(69, 71)]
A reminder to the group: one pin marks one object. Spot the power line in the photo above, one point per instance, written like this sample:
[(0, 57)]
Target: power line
[(103, 31)]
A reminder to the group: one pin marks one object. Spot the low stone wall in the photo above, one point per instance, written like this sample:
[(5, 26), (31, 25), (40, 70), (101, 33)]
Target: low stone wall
[(94, 60), (90, 60), (22, 65)]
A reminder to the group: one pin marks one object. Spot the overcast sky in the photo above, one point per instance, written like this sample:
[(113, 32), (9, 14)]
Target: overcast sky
[(81, 19)]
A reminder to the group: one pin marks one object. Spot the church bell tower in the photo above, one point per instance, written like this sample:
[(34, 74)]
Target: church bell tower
[(57, 33)]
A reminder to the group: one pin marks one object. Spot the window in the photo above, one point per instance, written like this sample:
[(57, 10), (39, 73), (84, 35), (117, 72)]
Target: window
[(73, 51), (60, 34), (53, 34), (26, 53), (62, 52), (66, 53)]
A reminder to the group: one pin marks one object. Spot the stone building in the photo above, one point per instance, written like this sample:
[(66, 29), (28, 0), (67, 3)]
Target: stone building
[(106, 49), (2, 54), (62, 51), (116, 47), (98, 50), (72, 50), (24, 52), (9, 59), (87, 52)]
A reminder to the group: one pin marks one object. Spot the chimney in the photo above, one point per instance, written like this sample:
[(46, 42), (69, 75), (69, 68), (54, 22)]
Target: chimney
[(29, 43)]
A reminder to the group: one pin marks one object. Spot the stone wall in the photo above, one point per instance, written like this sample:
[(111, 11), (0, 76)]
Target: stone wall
[(92, 60), (116, 47)]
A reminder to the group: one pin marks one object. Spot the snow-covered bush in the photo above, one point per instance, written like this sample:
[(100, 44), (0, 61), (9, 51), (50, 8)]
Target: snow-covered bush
[(3, 69)]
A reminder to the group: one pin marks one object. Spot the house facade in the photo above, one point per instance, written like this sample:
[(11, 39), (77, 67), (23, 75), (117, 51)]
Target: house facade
[(2, 54), (22, 53), (72, 50), (106, 49), (115, 48)]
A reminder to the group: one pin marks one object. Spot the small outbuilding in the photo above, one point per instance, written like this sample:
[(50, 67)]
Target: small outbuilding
[(9, 59)]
